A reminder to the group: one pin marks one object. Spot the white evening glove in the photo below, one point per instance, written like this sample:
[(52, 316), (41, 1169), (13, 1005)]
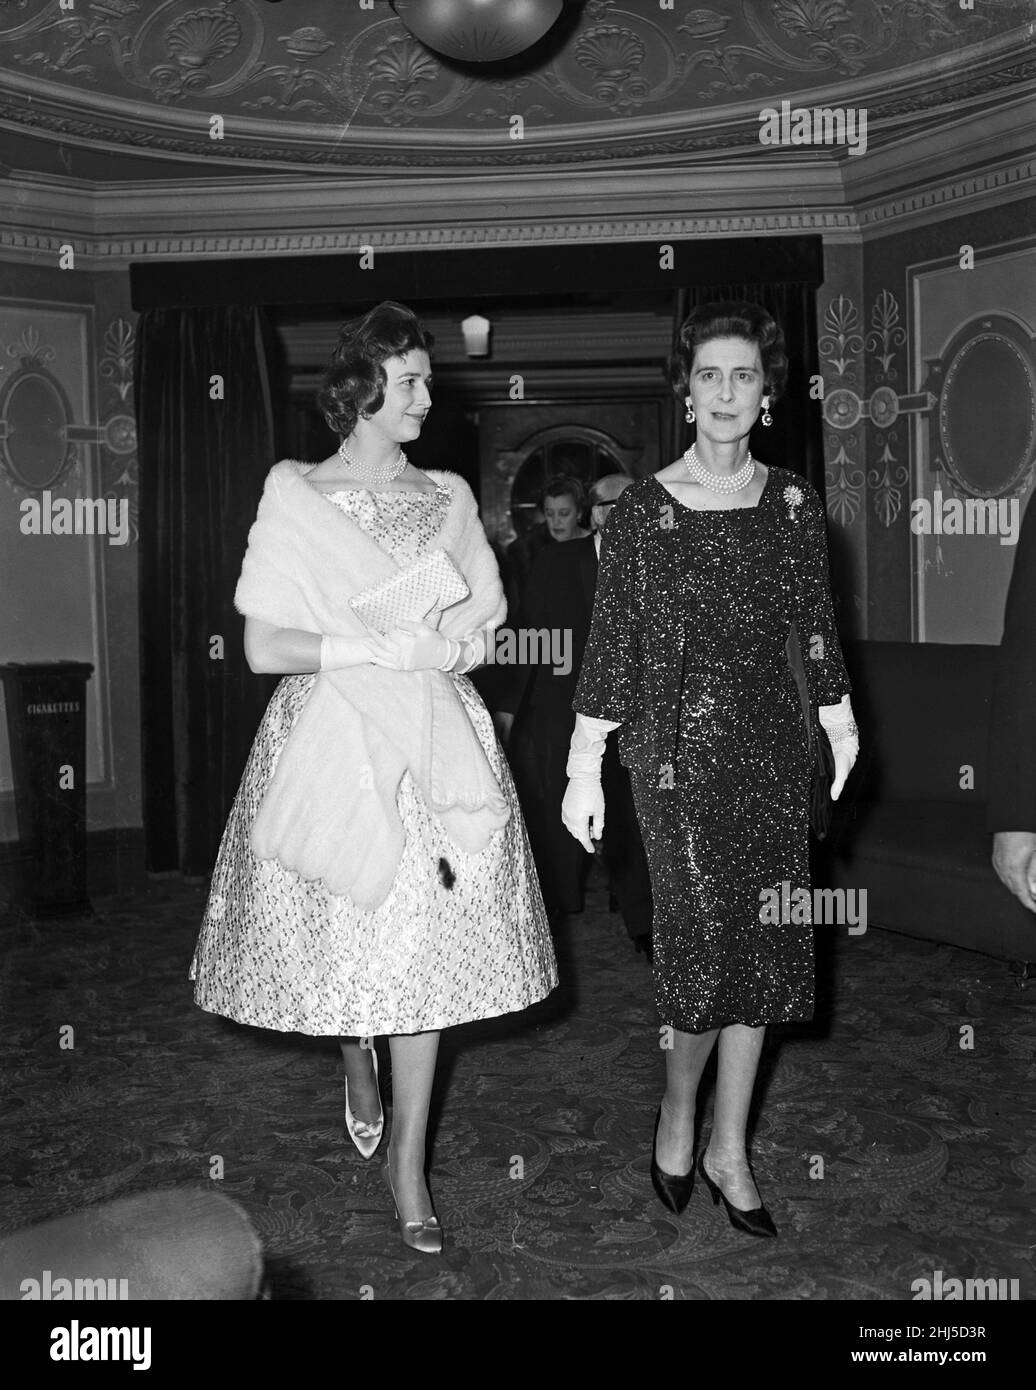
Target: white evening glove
[(465, 653), (337, 653), (838, 723), (582, 810), (413, 646)]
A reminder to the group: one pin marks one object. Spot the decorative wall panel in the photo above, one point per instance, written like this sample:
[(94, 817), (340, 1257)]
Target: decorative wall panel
[(960, 580), (52, 583), (840, 339)]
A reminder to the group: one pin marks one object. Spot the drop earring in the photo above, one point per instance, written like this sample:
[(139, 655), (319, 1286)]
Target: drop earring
[(690, 417), (767, 417)]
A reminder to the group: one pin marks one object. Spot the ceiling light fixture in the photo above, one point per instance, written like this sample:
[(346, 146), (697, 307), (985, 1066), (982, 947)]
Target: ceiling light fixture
[(478, 31)]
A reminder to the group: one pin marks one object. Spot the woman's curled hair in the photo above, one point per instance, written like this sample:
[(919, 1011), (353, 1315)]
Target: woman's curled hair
[(564, 485), (355, 378), (730, 319)]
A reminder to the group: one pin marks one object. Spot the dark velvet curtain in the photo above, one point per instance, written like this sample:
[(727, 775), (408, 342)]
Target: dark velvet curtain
[(202, 466), (795, 439)]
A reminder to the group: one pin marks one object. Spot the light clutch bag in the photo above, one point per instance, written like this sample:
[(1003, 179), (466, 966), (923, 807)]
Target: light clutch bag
[(421, 591)]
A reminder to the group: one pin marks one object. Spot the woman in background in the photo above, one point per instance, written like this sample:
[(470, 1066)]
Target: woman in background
[(375, 876), (565, 509)]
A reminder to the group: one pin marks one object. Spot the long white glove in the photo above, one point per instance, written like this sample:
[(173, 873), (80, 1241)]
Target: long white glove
[(466, 653), (413, 646), (1014, 859), (337, 653), (582, 810), (838, 723), (417, 646)]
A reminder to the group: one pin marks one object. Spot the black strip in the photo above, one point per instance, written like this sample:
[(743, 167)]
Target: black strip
[(467, 273)]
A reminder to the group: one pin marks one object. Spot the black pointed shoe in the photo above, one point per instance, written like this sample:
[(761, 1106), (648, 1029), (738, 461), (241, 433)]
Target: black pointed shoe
[(757, 1222), (674, 1190)]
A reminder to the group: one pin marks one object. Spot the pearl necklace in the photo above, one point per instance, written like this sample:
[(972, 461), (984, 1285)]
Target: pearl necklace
[(734, 483), (368, 474)]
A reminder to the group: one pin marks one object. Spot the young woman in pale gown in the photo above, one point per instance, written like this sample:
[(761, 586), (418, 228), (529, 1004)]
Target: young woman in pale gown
[(461, 936)]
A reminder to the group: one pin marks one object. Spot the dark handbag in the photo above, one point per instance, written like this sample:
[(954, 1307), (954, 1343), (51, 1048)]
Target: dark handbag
[(822, 759)]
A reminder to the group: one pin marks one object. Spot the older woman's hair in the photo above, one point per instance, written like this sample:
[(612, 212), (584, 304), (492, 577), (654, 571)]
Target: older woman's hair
[(566, 486), (730, 319), (355, 379)]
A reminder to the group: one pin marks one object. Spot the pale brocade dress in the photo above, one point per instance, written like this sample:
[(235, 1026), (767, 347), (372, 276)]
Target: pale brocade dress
[(280, 952)]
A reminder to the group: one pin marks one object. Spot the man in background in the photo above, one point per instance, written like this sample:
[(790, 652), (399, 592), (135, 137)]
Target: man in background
[(559, 596)]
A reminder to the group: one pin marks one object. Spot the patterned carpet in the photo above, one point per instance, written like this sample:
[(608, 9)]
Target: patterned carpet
[(542, 1123)]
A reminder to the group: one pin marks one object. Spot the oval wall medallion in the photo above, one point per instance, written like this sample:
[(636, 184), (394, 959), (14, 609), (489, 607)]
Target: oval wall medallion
[(987, 408), (34, 416)]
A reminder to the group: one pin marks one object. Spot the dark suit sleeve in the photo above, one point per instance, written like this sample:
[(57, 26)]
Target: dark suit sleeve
[(1011, 804), (609, 678), (531, 611)]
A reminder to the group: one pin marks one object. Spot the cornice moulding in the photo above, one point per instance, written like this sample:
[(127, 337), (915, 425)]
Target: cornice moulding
[(971, 141), (965, 196), (110, 225), (499, 187), (979, 59), (116, 254), (117, 223), (119, 125)]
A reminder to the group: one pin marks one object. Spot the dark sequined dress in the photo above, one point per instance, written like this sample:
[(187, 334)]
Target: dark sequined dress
[(688, 649)]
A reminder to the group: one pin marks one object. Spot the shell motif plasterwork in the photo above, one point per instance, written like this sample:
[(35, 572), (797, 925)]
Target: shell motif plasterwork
[(616, 59)]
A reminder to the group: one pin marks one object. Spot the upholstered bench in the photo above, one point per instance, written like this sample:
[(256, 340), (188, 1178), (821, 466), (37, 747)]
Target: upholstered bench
[(914, 832)]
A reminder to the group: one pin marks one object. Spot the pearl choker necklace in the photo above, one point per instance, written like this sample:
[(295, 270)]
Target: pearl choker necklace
[(368, 474), (734, 483)]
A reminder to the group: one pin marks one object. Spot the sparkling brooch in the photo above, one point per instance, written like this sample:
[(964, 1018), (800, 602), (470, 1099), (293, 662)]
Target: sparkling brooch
[(794, 497)]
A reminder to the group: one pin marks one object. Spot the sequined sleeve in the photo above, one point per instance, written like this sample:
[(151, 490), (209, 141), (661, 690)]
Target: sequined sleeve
[(608, 677), (814, 609)]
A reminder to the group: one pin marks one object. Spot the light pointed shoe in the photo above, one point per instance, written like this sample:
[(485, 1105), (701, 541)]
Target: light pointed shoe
[(424, 1236), (366, 1135)]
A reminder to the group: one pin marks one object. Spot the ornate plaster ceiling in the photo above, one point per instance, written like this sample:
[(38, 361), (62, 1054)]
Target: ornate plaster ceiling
[(128, 88)]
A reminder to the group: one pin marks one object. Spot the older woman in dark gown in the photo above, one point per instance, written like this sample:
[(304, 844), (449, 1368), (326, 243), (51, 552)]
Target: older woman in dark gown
[(704, 568)]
